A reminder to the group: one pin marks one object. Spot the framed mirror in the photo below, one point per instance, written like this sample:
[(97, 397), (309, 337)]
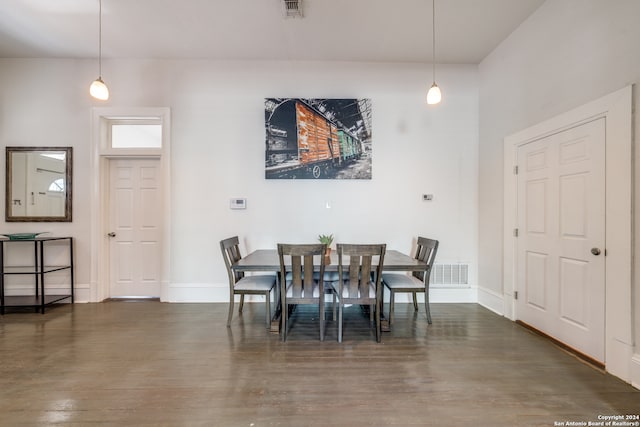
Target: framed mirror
[(38, 184)]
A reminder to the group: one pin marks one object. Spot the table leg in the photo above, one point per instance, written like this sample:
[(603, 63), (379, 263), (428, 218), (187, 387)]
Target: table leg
[(277, 313)]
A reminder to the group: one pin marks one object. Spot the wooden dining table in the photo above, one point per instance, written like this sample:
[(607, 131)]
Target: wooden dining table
[(268, 260)]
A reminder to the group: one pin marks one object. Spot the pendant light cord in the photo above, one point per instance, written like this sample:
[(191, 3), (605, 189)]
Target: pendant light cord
[(100, 41), (433, 37)]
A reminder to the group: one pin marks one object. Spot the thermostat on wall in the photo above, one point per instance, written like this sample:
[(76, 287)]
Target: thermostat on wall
[(238, 203)]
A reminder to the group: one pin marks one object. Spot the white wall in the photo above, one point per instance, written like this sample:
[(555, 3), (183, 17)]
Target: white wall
[(217, 152), (566, 54), (45, 103)]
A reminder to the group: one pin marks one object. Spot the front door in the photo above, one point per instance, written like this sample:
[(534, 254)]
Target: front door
[(561, 224), (135, 227)]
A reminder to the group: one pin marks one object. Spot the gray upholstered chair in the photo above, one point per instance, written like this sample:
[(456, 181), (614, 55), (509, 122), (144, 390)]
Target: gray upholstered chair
[(356, 283), (242, 285), (417, 282), (298, 285)]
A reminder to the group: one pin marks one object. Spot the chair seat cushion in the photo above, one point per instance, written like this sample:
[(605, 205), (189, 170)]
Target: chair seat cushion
[(371, 286), (330, 276), (314, 289), (402, 281), (256, 283)]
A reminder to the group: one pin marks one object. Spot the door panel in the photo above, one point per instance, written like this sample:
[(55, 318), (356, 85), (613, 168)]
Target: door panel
[(135, 221), (561, 201), (573, 290), (536, 280)]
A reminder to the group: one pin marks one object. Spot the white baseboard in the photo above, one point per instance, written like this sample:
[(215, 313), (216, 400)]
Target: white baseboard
[(82, 293), (635, 370), (620, 359), (491, 300), (197, 292), (204, 293), (442, 295)]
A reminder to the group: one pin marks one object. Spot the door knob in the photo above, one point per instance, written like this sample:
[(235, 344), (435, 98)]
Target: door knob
[(112, 234), (595, 251)]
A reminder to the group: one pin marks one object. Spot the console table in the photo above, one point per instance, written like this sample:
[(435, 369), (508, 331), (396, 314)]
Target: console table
[(41, 297)]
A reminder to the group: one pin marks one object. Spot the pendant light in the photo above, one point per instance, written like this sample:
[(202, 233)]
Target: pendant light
[(98, 88), (434, 96)]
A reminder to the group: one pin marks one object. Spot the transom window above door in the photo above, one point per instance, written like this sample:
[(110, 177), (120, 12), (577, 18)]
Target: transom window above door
[(135, 134)]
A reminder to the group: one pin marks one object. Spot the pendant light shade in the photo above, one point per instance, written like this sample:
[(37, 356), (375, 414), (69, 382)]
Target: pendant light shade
[(98, 88), (434, 96)]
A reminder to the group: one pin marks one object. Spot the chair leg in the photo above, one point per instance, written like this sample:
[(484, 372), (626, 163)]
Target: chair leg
[(284, 310), (371, 312), (392, 303), (322, 315), (285, 323), (334, 298), (241, 303), (230, 309), (426, 305), (378, 326), (340, 322), (333, 302), (267, 296), (415, 301)]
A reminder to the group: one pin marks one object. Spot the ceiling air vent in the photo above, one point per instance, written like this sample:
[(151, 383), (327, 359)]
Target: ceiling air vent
[(292, 8)]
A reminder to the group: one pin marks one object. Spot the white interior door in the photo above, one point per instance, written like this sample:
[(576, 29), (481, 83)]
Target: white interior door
[(561, 223), (135, 227)]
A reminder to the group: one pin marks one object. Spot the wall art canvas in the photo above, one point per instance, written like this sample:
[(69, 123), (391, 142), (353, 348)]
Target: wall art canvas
[(317, 138)]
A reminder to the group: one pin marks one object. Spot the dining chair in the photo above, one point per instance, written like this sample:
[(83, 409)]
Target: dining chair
[(330, 281), (242, 285), (298, 285), (418, 281), (356, 283)]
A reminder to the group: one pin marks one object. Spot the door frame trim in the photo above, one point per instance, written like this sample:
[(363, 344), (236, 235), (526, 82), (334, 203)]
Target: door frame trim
[(616, 109), (100, 157)]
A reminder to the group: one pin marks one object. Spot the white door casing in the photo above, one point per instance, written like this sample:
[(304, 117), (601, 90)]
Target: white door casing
[(561, 219), (99, 288), (616, 109), (135, 249)]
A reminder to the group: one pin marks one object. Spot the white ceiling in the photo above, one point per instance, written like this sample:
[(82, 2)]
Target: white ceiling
[(333, 30)]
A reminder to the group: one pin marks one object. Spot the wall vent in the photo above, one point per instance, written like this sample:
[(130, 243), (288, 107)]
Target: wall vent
[(292, 8), (450, 275)]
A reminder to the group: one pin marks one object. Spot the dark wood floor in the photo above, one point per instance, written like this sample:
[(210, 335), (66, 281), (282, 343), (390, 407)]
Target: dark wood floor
[(149, 363)]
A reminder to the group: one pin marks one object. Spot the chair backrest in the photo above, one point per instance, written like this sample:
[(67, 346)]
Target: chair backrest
[(231, 253), (303, 260), (360, 267), (426, 250)]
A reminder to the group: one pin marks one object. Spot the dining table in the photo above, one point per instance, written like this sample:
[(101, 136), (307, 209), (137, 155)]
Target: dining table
[(268, 260)]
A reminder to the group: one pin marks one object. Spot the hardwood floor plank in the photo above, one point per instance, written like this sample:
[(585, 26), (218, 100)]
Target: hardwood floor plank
[(151, 363)]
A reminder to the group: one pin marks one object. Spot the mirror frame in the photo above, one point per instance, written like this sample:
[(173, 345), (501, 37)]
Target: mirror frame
[(9, 181)]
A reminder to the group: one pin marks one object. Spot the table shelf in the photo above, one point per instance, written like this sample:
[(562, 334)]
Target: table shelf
[(31, 269), (36, 268), (32, 300)]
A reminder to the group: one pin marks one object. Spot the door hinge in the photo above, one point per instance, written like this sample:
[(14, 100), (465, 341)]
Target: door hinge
[(515, 232), (515, 170), (515, 295)]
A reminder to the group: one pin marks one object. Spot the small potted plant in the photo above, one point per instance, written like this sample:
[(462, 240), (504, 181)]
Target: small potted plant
[(326, 239)]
